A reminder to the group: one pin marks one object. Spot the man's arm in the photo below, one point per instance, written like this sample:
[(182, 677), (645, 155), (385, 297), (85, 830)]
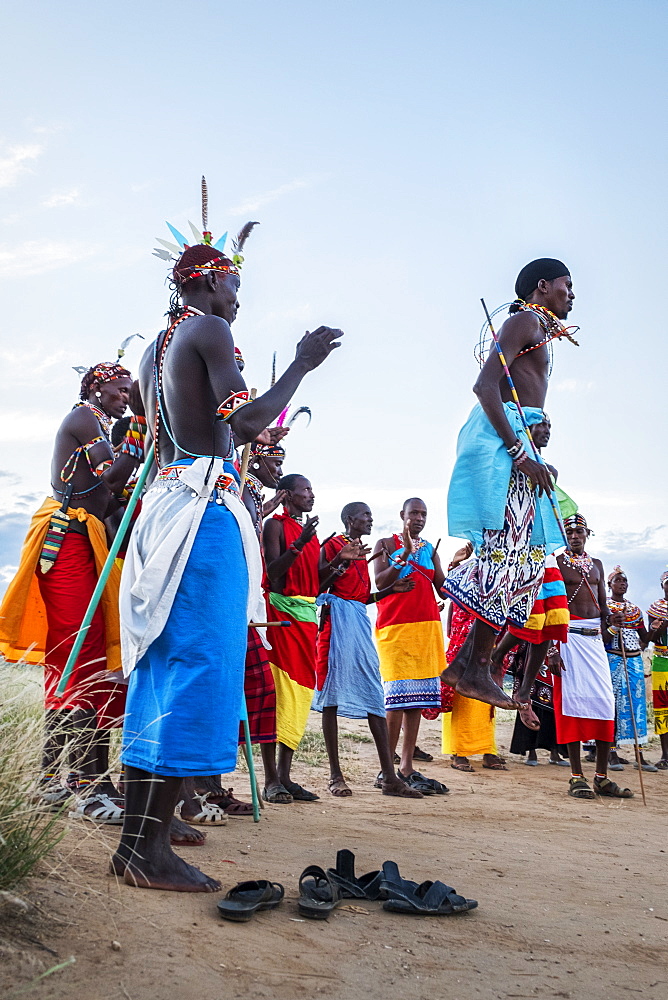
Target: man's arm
[(515, 334), (439, 575), (278, 558), (84, 428)]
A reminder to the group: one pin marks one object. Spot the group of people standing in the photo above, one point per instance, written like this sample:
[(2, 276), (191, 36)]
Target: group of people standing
[(216, 601)]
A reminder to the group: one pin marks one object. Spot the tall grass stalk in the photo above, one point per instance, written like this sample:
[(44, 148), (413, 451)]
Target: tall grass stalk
[(28, 831)]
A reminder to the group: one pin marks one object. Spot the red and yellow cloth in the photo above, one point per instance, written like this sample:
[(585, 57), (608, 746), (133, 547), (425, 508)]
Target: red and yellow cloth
[(549, 616), (292, 656)]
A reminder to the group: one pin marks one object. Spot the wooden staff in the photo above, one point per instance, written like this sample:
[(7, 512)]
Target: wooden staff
[(636, 745)]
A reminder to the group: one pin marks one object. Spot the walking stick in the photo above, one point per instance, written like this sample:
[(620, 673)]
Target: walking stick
[(636, 745), (516, 400), (104, 575)]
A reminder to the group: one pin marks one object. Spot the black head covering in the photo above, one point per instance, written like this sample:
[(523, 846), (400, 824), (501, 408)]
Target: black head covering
[(529, 276)]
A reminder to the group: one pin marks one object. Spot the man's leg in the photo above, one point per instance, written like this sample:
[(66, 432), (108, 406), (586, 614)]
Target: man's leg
[(283, 766), (469, 673), (330, 730), (273, 789), (393, 721), (55, 739), (144, 855), (391, 785)]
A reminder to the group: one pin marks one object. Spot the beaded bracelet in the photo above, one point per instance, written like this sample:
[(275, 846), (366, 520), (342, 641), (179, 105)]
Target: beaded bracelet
[(133, 443), (515, 449), (293, 548), (522, 457)]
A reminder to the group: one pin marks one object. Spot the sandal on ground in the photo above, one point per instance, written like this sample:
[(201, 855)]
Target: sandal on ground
[(615, 767), (318, 893), (604, 786), (461, 767), (662, 765), (209, 814), (646, 766), (277, 795), (378, 783), (428, 899), (417, 781), (246, 898), (422, 755), (106, 812), (534, 763), (559, 763), (232, 806), (339, 788), (498, 764), (365, 887), (437, 786), (300, 794), (579, 789)]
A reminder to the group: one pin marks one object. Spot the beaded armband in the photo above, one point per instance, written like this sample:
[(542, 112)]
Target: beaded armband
[(232, 404), (99, 470), (133, 443), (522, 457), (515, 449)]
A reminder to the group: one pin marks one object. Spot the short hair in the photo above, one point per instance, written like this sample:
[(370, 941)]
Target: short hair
[(411, 499), (350, 509), (119, 430), (288, 482)]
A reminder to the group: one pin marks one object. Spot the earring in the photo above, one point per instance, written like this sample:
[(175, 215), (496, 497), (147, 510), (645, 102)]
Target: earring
[(256, 465), (99, 395)]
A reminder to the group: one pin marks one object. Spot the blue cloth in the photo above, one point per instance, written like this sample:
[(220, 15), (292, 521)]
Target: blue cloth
[(480, 479), (623, 719), (353, 681), (185, 694), (407, 694), (423, 557)]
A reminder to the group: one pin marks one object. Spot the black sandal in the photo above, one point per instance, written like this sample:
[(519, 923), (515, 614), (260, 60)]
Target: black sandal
[(579, 789), (422, 755), (365, 887), (300, 794), (418, 781), (433, 899), (438, 786), (604, 786), (318, 893), (246, 898)]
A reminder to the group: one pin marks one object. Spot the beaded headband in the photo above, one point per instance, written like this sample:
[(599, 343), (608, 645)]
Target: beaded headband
[(216, 260), (575, 521), (104, 371), (269, 451), (616, 571)]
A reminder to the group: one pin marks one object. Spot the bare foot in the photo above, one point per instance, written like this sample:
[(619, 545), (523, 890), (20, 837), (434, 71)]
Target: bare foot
[(453, 674), (528, 716), (180, 833), (168, 872), (339, 788), (483, 688), (395, 786)]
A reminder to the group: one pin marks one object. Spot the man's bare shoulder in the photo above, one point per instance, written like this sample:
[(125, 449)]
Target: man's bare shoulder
[(82, 423), (382, 543), (520, 327), (205, 328)]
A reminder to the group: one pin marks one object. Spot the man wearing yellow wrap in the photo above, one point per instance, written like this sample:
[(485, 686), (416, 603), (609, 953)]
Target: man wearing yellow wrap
[(409, 636), (62, 556)]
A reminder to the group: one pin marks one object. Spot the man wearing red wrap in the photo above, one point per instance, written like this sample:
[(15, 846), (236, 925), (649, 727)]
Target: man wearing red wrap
[(45, 604), (292, 583)]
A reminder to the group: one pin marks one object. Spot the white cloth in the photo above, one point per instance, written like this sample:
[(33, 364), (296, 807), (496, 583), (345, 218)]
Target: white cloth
[(159, 548), (586, 683)]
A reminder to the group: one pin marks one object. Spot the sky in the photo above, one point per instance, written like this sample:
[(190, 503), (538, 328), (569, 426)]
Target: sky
[(403, 161)]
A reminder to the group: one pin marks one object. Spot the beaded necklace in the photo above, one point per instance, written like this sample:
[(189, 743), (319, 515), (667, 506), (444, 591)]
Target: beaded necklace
[(255, 490), (553, 327), (102, 418), (582, 563), (158, 365), (633, 618)]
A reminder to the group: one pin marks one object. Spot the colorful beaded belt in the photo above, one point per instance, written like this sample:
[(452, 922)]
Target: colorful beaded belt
[(171, 476)]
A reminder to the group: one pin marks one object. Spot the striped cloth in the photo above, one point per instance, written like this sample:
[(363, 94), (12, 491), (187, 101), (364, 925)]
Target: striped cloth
[(549, 616)]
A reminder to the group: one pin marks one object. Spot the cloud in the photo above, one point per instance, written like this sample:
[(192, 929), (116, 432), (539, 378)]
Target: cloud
[(64, 198), (35, 427), (14, 163), (13, 528), (574, 385), (34, 257), (254, 204)]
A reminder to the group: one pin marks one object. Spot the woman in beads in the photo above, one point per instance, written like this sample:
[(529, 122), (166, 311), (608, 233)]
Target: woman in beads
[(630, 697), (658, 623)]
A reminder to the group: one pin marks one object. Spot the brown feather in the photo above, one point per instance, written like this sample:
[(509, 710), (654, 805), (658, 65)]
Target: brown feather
[(243, 235)]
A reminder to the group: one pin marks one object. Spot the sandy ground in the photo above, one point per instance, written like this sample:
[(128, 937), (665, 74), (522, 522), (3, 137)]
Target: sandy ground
[(573, 899)]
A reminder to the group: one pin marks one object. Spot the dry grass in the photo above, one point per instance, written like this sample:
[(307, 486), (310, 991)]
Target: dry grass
[(28, 832)]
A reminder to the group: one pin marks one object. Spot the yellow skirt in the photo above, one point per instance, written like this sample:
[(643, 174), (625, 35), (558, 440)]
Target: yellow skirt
[(469, 728)]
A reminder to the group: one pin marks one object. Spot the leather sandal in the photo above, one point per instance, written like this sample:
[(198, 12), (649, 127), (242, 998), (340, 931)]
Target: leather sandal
[(365, 887), (246, 898), (434, 899), (318, 893)]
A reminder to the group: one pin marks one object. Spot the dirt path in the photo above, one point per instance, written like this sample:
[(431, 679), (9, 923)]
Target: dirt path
[(573, 899)]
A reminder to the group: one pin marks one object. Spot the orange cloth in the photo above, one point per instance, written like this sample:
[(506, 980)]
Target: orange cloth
[(23, 625)]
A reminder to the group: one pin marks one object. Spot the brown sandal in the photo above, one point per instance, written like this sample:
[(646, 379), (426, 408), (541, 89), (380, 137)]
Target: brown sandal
[(604, 786)]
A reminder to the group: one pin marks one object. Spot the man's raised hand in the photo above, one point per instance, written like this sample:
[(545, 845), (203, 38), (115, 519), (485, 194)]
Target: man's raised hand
[(308, 531), (315, 347)]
